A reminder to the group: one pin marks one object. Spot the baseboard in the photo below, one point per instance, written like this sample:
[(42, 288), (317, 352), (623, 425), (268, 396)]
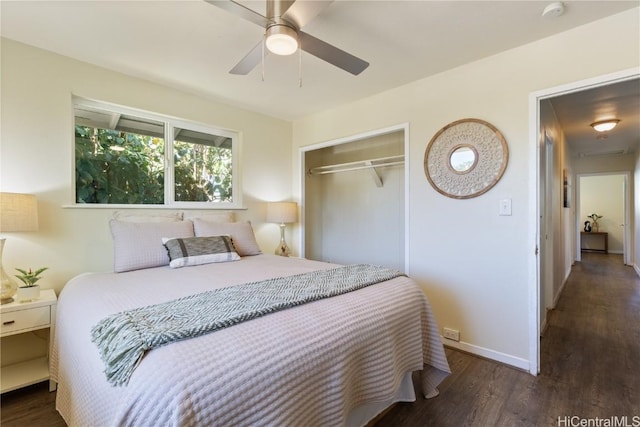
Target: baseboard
[(556, 297), (497, 356), (544, 324)]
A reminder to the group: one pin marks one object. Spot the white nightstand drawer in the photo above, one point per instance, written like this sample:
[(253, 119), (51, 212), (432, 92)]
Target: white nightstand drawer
[(26, 319)]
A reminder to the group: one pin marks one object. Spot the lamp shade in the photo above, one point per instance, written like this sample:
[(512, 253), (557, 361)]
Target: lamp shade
[(282, 212), (18, 212)]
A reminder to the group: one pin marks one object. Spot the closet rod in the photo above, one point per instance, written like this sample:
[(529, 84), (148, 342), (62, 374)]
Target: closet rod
[(360, 164)]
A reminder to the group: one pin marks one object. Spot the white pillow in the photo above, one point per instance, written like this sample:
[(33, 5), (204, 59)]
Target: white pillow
[(138, 245), (199, 250), (241, 234)]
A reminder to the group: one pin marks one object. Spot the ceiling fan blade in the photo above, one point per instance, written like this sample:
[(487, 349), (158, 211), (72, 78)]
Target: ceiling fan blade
[(331, 54), (250, 60), (302, 12), (241, 11)]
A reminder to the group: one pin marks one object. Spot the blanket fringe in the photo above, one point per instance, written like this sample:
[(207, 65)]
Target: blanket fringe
[(121, 347)]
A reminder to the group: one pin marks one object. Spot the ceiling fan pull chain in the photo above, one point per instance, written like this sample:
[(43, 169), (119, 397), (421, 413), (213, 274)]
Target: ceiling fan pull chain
[(262, 71), (300, 64)]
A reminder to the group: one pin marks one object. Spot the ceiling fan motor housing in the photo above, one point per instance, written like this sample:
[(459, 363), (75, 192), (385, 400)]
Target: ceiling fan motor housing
[(281, 38)]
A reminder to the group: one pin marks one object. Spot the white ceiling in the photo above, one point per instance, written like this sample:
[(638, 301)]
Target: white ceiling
[(576, 112), (191, 45)]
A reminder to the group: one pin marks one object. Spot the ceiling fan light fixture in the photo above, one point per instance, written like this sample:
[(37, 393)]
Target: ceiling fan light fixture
[(281, 39), (605, 125)]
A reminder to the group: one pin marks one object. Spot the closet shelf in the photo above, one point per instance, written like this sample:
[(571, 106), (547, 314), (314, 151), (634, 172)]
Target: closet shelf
[(370, 164), (360, 164)]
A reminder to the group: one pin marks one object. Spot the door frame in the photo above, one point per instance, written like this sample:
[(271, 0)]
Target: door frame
[(626, 234), (534, 196), (547, 236)]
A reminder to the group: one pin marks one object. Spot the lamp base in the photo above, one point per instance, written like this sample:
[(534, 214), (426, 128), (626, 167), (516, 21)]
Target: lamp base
[(9, 288), (282, 249)]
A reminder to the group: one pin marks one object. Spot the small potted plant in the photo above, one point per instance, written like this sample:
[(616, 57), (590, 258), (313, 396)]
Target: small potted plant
[(29, 291), (594, 218)]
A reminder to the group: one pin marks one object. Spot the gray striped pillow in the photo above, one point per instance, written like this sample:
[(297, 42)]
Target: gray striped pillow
[(199, 250)]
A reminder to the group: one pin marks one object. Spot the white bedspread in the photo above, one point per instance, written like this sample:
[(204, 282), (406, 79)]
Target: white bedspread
[(310, 365)]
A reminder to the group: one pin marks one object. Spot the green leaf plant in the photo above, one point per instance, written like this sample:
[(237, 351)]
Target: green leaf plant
[(29, 278)]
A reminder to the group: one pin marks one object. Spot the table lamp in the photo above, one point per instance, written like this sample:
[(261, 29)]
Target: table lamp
[(18, 212), (283, 213)]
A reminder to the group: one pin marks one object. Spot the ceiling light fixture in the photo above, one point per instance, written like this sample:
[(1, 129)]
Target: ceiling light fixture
[(281, 39), (605, 125)]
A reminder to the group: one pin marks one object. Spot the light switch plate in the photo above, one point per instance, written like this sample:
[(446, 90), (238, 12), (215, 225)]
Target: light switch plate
[(505, 207)]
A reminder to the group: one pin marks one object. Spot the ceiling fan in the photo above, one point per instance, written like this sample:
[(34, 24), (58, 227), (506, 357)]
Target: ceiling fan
[(283, 36)]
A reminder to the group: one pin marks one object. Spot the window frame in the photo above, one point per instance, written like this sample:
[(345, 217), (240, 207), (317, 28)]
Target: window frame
[(169, 124)]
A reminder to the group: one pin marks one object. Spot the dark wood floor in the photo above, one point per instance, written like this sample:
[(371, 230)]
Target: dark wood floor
[(590, 363), (590, 367)]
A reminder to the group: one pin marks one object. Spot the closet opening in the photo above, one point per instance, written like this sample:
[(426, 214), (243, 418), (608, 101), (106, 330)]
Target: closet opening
[(354, 199)]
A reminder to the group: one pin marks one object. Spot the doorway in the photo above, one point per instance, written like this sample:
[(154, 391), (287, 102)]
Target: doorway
[(605, 197), (565, 234)]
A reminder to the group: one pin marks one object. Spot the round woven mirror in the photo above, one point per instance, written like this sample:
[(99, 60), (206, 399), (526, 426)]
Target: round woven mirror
[(466, 158)]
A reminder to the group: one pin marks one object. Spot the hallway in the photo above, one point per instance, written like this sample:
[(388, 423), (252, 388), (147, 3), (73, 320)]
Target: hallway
[(590, 363)]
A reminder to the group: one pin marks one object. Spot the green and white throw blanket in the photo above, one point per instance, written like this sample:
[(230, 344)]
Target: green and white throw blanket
[(123, 338)]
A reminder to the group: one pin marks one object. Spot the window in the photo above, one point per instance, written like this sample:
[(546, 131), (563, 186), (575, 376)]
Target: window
[(202, 166), (126, 157)]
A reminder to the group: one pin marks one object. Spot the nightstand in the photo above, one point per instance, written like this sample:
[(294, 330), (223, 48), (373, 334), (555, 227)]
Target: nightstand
[(19, 318)]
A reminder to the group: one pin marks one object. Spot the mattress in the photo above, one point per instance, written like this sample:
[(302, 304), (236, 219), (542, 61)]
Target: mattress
[(331, 362)]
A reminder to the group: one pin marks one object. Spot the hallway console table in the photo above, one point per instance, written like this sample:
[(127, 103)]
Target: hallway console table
[(586, 241)]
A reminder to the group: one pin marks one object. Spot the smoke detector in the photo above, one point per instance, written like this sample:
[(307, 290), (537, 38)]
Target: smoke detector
[(553, 10)]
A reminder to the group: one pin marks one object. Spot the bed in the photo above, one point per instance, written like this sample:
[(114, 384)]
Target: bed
[(333, 362)]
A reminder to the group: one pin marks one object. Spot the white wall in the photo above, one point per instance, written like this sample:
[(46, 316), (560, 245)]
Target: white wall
[(603, 194), (472, 263), (561, 229), (37, 149), (604, 164)]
